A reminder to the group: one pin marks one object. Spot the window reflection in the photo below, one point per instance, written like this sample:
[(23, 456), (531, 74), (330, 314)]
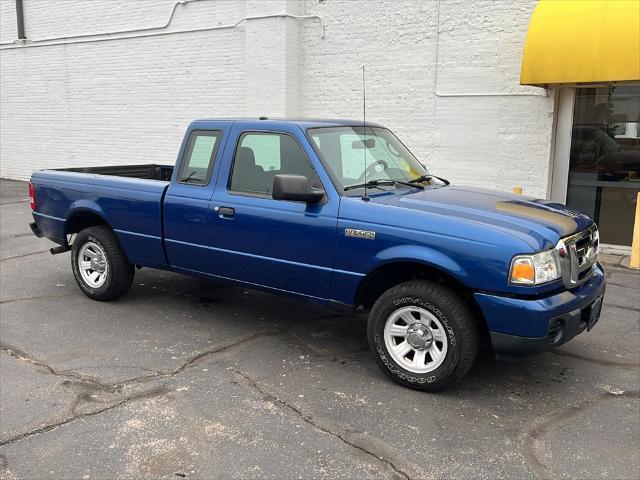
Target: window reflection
[(604, 167)]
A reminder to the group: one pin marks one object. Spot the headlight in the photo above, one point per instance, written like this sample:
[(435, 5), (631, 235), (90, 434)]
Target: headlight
[(535, 269)]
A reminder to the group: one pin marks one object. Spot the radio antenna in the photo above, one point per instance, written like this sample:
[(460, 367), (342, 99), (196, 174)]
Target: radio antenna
[(364, 133)]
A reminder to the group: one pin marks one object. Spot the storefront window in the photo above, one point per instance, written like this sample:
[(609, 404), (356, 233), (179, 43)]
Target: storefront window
[(604, 167)]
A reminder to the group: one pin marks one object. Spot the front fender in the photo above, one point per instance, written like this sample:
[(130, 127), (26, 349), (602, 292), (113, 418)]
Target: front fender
[(418, 254), (347, 286)]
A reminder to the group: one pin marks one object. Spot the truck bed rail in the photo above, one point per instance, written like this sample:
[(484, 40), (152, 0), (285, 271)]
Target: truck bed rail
[(149, 171)]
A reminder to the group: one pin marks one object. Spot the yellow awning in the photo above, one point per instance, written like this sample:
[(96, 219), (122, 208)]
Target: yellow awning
[(582, 41)]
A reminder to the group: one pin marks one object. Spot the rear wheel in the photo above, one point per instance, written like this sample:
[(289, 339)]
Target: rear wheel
[(423, 335), (100, 267)]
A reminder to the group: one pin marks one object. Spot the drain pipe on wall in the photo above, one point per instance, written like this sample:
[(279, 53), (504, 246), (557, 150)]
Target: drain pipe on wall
[(141, 32), (117, 32), (20, 19)]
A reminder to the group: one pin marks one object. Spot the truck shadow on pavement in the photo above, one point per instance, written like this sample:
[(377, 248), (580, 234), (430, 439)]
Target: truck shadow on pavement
[(329, 336)]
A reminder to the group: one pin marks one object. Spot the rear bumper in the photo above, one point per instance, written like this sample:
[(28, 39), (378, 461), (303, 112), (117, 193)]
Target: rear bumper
[(47, 226), (36, 230), (525, 327)]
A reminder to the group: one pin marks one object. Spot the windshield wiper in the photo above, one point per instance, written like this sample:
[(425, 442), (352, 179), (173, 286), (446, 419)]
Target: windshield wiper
[(422, 178), (377, 183), (426, 178)]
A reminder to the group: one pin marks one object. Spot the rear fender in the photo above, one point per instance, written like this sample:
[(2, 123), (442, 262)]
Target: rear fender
[(83, 207), (140, 249), (58, 229)]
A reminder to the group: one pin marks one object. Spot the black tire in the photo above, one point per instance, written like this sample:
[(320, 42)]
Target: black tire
[(119, 272), (461, 333)]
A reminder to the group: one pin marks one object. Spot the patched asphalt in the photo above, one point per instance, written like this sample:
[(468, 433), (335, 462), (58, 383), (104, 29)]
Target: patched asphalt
[(188, 378)]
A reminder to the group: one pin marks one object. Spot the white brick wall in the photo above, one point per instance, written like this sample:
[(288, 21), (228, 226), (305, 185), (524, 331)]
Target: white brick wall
[(496, 141), (129, 100)]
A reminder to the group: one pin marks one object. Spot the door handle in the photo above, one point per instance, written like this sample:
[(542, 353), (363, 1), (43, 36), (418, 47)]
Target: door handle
[(225, 212)]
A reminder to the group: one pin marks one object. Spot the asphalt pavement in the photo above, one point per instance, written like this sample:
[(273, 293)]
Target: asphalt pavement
[(189, 378)]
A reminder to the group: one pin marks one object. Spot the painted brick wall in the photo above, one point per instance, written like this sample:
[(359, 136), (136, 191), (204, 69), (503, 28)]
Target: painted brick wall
[(496, 141), (129, 100), (124, 101)]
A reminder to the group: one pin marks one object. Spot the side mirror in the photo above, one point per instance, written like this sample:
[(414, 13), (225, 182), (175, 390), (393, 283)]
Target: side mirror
[(296, 188)]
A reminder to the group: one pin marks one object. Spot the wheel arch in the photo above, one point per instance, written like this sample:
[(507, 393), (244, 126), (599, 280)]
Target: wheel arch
[(82, 216), (394, 271)]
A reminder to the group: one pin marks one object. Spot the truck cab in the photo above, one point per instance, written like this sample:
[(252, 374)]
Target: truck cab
[(341, 214)]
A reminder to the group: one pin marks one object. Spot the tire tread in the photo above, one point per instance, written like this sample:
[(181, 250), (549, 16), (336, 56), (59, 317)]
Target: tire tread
[(122, 272), (446, 300)]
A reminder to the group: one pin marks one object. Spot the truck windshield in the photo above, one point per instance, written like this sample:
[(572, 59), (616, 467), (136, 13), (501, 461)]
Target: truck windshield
[(345, 150)]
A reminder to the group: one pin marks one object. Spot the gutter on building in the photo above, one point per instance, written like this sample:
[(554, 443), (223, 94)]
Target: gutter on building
[(140, 32)]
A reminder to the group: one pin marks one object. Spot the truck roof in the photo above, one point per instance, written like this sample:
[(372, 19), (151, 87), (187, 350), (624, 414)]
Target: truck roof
[(304, 123)]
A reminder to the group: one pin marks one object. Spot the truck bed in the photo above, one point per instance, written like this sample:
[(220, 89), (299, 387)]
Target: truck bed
[(126, 197), (149, 171)]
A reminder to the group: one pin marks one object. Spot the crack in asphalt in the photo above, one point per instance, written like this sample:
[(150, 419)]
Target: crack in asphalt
[(620, 285), (93, 384), (597, 361), (41, 297), (192, 361), (533, 440), (622, 307), (22, 355), (3, 463), (23, 255), (308, 419), (619, 266), (534, 444), (151, 393)]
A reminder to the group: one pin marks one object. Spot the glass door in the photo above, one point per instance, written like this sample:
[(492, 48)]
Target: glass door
[(604, 162)]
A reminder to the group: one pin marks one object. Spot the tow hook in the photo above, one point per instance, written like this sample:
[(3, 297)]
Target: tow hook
[(60, 249)]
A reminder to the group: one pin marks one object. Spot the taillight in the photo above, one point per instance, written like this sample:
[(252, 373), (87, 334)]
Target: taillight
[(32, 196)]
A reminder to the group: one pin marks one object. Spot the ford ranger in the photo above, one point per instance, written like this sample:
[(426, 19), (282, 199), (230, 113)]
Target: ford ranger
[(341, 214)]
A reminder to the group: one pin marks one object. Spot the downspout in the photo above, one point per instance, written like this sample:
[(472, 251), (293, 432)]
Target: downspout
[(20, 19)]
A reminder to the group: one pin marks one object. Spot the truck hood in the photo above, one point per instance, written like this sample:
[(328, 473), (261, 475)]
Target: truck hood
[(538, 222)]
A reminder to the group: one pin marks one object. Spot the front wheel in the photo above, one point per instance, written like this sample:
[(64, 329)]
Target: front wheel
[(423, 335), (100, 267)]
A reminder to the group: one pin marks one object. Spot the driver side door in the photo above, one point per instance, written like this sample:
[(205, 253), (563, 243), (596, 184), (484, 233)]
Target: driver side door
[(283, 245)]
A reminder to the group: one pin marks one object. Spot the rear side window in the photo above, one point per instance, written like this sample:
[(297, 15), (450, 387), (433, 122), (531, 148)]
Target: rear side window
[(198, 158), (260, 156)]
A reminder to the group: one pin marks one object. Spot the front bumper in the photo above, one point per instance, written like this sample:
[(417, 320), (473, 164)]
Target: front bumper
[(520, 326)]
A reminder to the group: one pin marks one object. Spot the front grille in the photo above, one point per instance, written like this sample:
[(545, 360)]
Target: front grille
[(578, 256)]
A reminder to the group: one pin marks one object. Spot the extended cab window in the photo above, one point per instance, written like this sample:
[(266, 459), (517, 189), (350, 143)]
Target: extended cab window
[(199, 156), (261, 156)]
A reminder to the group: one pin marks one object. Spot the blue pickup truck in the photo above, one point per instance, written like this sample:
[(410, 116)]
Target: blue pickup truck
[(341, 214)]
